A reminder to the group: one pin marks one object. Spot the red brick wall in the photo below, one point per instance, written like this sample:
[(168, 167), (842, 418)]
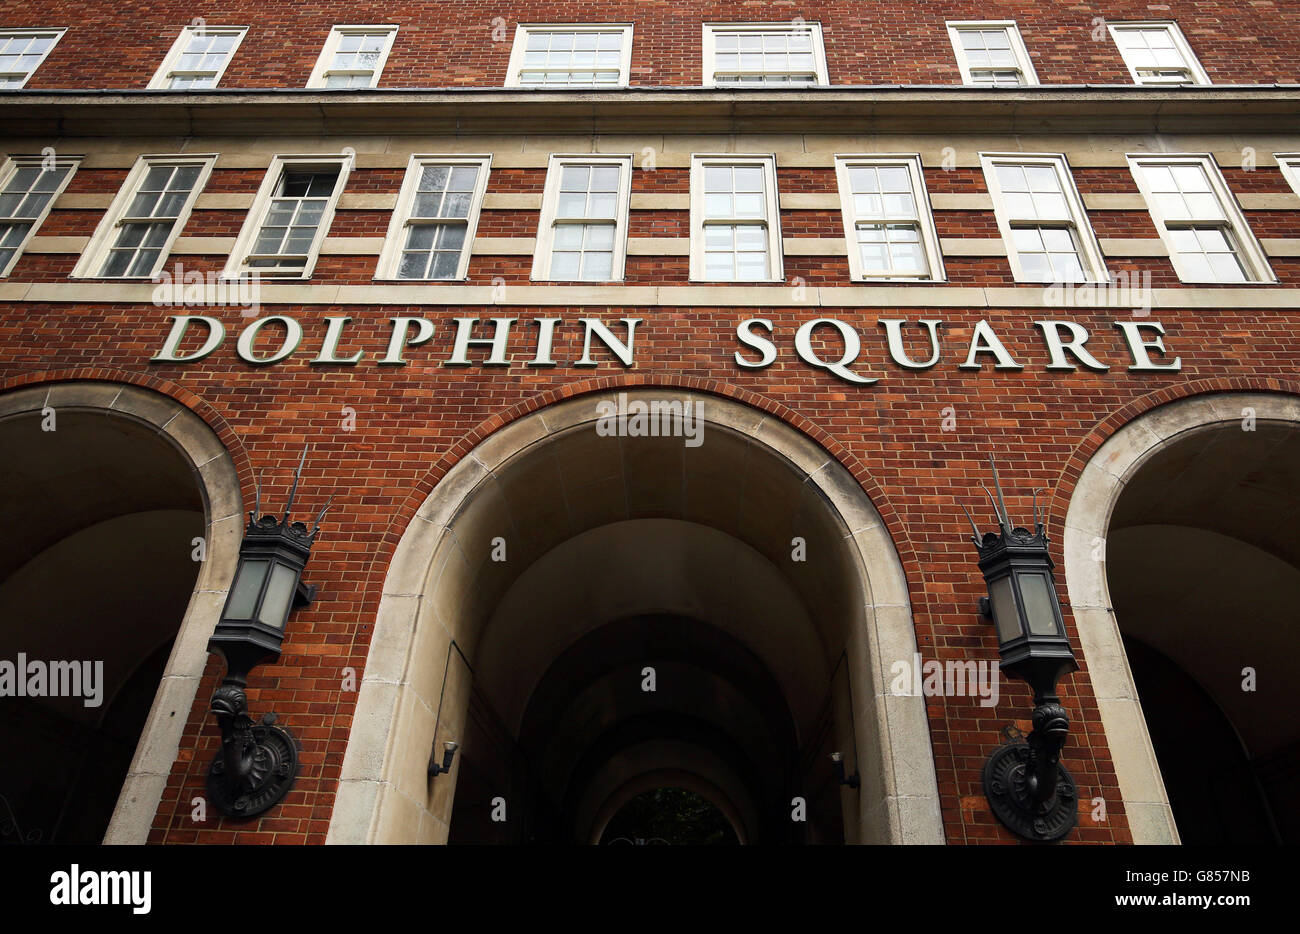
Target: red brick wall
[(450, 43)]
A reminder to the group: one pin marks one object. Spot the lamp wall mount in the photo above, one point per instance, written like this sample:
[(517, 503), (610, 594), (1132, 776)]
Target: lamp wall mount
[(258, 762)]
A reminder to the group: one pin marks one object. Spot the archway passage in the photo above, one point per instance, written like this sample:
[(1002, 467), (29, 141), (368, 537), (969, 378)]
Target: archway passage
[(99, 515), (635, 626), (594, 614), (1203, 558)]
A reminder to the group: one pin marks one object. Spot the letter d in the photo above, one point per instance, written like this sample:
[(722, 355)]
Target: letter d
[(168, 354)]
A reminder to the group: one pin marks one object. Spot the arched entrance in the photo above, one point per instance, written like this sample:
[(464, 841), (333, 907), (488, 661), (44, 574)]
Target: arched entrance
[(108, 494), (1190, 618), (585, 613)]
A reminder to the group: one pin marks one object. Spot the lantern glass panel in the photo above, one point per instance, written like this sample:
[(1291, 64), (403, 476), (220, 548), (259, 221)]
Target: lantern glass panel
[(243, 595), (279, 593), (1005, 614), (1040, 605)]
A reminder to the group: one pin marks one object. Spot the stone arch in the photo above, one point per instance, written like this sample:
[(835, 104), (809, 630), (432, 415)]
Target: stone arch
[(215, 477), (383, 794), (1102, 478)]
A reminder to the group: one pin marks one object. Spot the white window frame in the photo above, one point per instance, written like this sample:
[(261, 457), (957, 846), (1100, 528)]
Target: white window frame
[(93, 258), (57, 32), (320, 72), (7, 170), (1251, 254), (711, 31), (390, 257), (1014, 38), (1180, 43), (1090, 256), (237, 264), (925, 215), (162, 77), (550, 202), (1289, 165), (701, 161), (520, 46)]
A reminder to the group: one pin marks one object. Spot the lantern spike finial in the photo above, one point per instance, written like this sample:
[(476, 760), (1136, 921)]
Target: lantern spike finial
[(1037, 525), (257, 499), (293, 490), (974, 528), (321, 516), (994, 504), (997, 485)]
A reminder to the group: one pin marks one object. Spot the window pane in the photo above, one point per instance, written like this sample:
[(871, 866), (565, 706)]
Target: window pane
[(119, 261), (719, 266), (717, 178), (717, 237), (247, 587), (718, 205), (1050, 207), (749, 205), (600, 236), (445, 264), (602, 204), (900, 205), (565, 265), (412, 266), (1066, 267), (751, 238), (456, 204), (421, 238), (144, 263), (569, 237), (279, 595), (751, 265), (434, 177), (597, 265), (1039, 604), (463, 178), (571, 204)]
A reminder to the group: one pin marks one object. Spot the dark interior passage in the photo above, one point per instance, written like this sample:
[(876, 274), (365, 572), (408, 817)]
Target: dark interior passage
[(1203, 561), (97, 525)]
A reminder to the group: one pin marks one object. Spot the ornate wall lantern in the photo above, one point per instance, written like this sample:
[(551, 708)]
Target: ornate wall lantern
[(258, 764), (1029, 790)]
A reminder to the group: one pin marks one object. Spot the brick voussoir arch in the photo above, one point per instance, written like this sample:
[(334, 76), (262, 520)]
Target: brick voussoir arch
[(498, 420)]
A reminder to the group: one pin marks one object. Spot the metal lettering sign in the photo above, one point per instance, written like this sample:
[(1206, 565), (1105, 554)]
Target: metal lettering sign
[(823, 343)]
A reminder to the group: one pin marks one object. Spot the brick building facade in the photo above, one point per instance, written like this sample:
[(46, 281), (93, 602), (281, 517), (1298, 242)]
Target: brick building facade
[(1163, 439)]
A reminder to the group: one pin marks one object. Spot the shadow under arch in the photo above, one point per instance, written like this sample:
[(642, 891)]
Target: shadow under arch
[(147, 419), (549, 487), (1103, 480)]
